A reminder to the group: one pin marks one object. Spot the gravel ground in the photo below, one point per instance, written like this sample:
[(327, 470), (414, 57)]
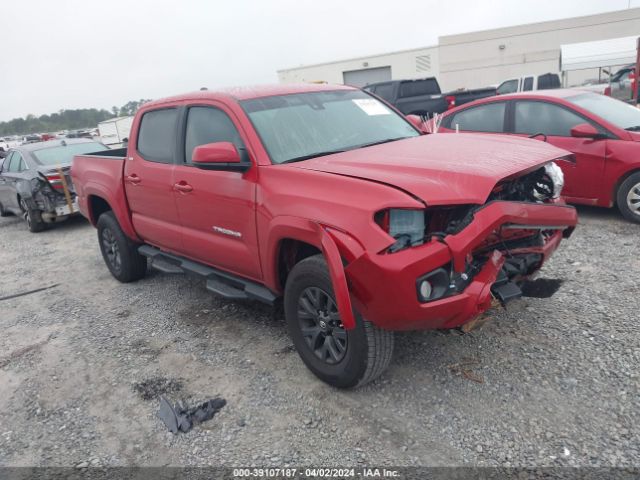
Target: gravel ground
[(550, 382)]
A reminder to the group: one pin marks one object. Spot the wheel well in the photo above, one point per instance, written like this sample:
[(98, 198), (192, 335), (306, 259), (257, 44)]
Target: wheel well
[(292, 251), (620, 181), (98, 206)]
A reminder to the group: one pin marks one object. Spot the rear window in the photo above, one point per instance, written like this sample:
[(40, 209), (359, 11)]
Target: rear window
[(157, 136), (385, 91), (548, 81), (415, 88), (63, 154)]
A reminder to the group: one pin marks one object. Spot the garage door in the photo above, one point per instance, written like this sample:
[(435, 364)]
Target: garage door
[(361, 78)]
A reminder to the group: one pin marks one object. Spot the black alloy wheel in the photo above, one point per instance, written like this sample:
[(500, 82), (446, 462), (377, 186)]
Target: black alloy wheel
[(321, 326)]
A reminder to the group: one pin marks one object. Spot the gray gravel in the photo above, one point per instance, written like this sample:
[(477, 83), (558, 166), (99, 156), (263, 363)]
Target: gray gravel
[(548, 382)]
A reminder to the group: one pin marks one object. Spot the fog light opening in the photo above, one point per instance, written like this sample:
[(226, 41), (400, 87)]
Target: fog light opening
[(425, 289)]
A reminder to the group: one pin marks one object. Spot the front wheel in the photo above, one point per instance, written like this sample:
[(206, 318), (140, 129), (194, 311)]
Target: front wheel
[(119, 253), (628, 198), (342, 358)]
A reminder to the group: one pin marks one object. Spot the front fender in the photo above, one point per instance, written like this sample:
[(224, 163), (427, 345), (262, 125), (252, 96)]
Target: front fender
[(313, 233)]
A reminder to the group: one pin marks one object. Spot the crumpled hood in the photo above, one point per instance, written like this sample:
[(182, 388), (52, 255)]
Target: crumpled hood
[(441, 169)]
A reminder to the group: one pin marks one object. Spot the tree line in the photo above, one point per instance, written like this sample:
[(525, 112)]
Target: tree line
[(66, 119)]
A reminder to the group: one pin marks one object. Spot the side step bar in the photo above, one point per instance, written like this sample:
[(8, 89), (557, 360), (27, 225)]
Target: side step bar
[(217, 281)]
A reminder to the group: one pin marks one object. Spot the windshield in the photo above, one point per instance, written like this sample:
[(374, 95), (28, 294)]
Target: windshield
[(63, 154), (616, 112), (301, 126)]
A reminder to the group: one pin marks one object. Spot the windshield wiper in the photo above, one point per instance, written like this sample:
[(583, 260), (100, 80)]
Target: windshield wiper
[(330, 152), (635, 128), (311, 155), (380, 142)]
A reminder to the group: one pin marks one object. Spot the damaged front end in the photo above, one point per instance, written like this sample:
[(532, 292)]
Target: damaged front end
[(52, 193), (466, 255)]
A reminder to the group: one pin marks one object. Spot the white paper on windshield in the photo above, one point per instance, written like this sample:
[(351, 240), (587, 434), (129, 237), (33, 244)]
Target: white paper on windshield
[(371, 106)]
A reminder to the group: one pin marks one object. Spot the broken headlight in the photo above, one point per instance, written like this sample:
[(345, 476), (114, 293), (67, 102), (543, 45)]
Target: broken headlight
[(557, 178), (405, 226)]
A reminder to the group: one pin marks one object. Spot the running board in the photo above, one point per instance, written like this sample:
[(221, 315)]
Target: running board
[(223, 283)]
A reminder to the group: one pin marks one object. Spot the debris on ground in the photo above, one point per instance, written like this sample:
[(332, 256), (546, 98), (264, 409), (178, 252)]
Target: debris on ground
[(541, 287), (180, 418), (286, 349), (28, 292), (156, 386), (464, 368), (21, 351)]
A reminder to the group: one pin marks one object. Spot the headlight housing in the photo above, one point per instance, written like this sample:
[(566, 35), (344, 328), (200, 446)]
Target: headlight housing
[(406, 226), (557, 177)]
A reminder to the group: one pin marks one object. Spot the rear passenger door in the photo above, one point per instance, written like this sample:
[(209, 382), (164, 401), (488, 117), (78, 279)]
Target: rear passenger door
[(583, 179), (148, 179), (218, 210)]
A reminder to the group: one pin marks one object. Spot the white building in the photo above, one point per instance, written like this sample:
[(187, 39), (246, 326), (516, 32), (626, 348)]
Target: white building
[(479, 59)]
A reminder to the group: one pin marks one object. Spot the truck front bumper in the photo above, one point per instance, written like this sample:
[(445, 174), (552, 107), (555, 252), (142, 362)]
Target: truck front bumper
[(383, 286)]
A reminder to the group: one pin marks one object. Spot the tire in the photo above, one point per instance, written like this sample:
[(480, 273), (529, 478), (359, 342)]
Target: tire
[(363, 353), (118, 251), (3, 212), (628, 198), (32, 217)]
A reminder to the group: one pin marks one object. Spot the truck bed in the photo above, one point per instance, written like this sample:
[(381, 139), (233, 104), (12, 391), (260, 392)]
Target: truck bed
[(98, 172)]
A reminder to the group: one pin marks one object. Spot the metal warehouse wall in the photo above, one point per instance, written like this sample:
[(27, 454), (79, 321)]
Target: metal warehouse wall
[(488, 57), (482, 58), (421, 62)]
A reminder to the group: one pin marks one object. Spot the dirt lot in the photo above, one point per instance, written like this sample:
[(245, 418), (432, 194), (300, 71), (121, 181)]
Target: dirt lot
[(549, 382)]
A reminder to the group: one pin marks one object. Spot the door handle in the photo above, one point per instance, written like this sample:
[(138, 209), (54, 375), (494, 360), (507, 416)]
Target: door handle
[(183, 187), (134, 179)]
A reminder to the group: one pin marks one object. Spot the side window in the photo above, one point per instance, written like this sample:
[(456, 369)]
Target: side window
[(7, 162), (157, 136), (485, 118), (544, 117), (385, 91), (527, 84), (209, 125), (16, 161), (510, 86)]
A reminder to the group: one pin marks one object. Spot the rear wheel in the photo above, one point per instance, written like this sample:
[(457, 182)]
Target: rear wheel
[(628, 198), (119, 253), (32, 217), (340, 357), (3, 212)]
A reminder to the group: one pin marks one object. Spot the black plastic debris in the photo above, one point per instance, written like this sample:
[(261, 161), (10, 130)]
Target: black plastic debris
[(541, 287), (180, 418)]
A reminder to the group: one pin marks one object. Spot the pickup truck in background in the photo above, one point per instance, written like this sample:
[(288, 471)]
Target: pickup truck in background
[(324, 197), (423, 96), (624, 84), (529, 83)]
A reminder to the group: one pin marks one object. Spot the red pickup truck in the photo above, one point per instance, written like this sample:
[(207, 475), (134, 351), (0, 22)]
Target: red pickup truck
[(332, 200)]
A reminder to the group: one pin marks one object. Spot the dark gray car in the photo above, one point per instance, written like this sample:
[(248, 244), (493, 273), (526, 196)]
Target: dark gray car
[(35, 181)]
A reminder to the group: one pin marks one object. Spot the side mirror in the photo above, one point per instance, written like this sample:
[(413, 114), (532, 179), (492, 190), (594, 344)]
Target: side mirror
[(218, 156), (586, 130), (417, 122)]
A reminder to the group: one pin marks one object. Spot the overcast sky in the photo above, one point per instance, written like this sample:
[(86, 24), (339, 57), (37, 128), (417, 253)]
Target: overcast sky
[(80, 54)]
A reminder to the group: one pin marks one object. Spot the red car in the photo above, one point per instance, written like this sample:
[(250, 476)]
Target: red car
[(325, 196), (602, 133)]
